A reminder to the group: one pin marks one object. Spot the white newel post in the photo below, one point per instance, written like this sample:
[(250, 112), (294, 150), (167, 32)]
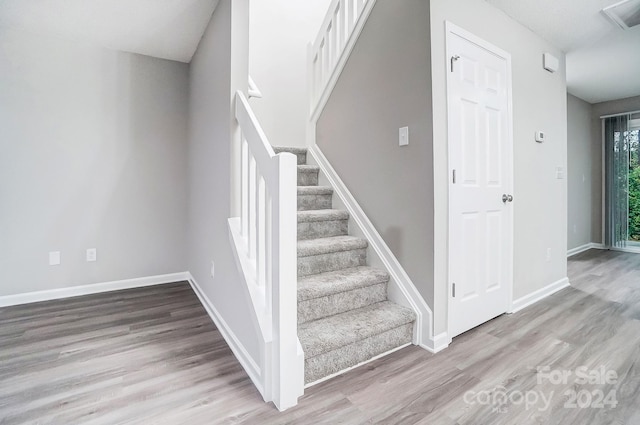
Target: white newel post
[(288, 370)]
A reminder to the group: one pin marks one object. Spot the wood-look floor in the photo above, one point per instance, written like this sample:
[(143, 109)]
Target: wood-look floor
[(152, 356)]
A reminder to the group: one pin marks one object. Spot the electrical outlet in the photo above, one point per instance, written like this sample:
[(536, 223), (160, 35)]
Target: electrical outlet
[(575, 228), (54, 258), (548, 254), (92, 254), (213, 269)]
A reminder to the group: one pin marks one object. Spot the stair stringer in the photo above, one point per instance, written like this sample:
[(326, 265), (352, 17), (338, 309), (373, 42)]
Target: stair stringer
[(401, 289), (262, 374)]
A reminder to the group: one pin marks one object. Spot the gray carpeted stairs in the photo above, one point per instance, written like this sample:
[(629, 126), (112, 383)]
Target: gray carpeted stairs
[(344, 317)]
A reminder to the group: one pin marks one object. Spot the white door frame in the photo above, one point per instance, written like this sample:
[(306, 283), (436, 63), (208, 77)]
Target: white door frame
[(452, 29)]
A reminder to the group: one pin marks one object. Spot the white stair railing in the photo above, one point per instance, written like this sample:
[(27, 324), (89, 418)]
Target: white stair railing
[(332, 47), (254, 91), (268, 227)]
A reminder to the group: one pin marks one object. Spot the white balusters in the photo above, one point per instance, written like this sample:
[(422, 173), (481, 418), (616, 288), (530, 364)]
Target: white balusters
[(260, 232), (268, 284), (244, 177), (341, 17), (251, 225), (333, 44), (352, 8)]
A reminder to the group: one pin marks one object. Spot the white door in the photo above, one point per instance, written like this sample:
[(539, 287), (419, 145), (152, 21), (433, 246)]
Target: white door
[(480, 165)]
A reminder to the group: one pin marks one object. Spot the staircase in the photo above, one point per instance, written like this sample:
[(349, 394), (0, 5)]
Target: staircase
[(344, 317)]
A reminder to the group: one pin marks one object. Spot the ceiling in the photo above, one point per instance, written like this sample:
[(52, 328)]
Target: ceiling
[(168, 29), (603, 61)]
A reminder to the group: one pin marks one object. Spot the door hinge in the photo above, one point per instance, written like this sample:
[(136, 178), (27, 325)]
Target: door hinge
[(453, 59), (454, 176), (453, 290)]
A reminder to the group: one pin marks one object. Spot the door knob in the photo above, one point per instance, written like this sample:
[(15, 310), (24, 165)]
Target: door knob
[(507, 198)]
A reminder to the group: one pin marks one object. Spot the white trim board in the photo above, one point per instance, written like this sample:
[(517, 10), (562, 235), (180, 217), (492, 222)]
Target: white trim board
[(586, 247), (96, 288), (538, 295), (437, 343), (247, 362)]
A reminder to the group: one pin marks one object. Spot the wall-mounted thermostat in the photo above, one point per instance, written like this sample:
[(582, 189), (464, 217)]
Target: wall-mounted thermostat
[(540, 136)]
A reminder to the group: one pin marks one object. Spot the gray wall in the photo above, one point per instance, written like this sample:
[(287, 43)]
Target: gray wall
[(539, 103), (93, 155), (579, 172), (599, 109), (210, 131), (385, 86)]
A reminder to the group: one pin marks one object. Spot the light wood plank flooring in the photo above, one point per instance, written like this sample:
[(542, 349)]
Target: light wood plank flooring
[(152, 356)]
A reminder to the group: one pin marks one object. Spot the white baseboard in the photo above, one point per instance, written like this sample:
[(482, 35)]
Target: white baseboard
[(401, 288), (631, 250), (437, 343), (247, 362), (96, 288), (538, 295), (585, 247)]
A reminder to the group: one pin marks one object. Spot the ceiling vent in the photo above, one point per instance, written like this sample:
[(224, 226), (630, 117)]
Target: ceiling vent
[(625, 14)]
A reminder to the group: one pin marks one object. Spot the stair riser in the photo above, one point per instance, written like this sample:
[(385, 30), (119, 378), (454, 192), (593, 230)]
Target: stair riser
[(315, 264), (307, 178), (339, 303), (350, 355), (322, 229), (314, 202), (302, 158)]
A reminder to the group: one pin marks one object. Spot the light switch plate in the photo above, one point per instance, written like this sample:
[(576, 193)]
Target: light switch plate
[(54, 258), (92, 254), (403, 136)]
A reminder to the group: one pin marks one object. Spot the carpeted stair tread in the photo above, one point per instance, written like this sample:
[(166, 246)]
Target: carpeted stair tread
[(344, 316), (309, 247), (315, 190), (310, 216), (290, 149), (328, 334), (339, 281), (300, 153)]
